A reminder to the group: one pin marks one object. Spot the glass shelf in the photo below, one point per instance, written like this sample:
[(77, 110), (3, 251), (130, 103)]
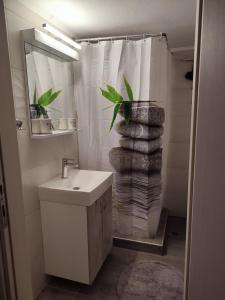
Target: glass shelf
[(54, 133)]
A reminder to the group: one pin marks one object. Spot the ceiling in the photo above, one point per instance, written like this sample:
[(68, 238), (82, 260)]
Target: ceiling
[(94, 18)]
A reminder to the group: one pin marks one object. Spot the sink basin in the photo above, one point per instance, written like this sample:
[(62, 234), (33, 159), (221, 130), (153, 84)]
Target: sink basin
[(82, 187)]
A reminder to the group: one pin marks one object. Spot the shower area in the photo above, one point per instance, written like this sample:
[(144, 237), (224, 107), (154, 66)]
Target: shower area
[(137, 154)]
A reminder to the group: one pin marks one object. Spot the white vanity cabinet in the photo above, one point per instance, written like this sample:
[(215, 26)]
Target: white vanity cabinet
[(76, 238), (99, 218)]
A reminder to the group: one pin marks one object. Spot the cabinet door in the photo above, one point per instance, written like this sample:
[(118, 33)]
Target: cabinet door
[(95, 238), (65, 240), (106, 223)]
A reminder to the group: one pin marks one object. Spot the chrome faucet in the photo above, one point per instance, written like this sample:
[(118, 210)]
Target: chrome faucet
[(68, 162)]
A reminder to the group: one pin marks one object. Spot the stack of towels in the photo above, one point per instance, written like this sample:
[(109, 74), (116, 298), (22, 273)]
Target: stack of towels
[(138, 163)]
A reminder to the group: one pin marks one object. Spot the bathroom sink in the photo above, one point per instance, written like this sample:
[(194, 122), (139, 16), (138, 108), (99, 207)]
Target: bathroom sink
[(82, 187)]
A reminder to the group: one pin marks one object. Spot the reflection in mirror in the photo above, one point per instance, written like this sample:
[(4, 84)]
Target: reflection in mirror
[(51, 92)]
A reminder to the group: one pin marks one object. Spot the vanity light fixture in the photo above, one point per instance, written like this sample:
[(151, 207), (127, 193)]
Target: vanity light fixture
[(61, 36), (46, 42), (50, 41)]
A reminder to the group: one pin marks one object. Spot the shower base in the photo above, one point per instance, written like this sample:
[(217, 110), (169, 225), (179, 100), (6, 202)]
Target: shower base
[(152, 245)]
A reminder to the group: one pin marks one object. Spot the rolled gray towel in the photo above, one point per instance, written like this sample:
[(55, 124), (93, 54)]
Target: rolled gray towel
[(139, 131), (137, 193), (142, 199), (140, 189), (143, 146), (138, 179), (126, 160), (145, 112)]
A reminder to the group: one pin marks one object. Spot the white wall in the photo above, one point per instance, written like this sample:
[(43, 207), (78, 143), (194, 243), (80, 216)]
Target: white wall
[(39, 159), (12, 174), (179, 110)]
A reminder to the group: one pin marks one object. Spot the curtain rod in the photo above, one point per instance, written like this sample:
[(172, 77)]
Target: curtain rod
[(135, 36)]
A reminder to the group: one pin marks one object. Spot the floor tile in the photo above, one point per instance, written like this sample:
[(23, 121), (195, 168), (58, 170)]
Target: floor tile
[(51, 293), (105, 284), (63, 284), (85, 297)]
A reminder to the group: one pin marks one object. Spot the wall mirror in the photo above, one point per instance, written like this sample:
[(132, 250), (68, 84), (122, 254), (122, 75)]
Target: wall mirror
[(50, 91)]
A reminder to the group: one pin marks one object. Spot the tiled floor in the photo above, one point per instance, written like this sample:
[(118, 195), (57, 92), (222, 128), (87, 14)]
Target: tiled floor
[(105, 285)]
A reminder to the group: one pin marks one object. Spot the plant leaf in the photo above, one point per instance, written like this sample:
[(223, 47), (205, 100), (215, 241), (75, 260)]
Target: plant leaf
[(116, 96), (43, 110), (128, 89), (48, 97), (35, 96), (115, 112), (108, 96), (127, 112), (43, 100), (54, 96)]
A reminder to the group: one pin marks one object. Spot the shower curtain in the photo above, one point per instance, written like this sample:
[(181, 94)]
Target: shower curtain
[(145, 65)]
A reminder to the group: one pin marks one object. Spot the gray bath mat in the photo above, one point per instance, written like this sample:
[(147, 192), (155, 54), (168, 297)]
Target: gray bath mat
[(150, 280)]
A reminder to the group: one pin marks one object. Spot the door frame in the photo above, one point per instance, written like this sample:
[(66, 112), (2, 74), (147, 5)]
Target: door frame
[(198, 29), (7, 274), (4, 282), (205, 270)]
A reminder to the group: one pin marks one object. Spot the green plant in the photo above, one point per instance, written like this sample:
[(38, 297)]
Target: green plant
[(45, 99), (114, 97)]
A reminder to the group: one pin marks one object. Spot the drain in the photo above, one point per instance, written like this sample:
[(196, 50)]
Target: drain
[(76, 188)]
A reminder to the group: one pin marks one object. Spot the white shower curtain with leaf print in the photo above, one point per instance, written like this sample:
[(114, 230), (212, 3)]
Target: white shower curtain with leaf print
[(143, 63)]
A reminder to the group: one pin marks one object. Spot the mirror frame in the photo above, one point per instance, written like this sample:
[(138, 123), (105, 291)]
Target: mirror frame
[(35, 38)]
